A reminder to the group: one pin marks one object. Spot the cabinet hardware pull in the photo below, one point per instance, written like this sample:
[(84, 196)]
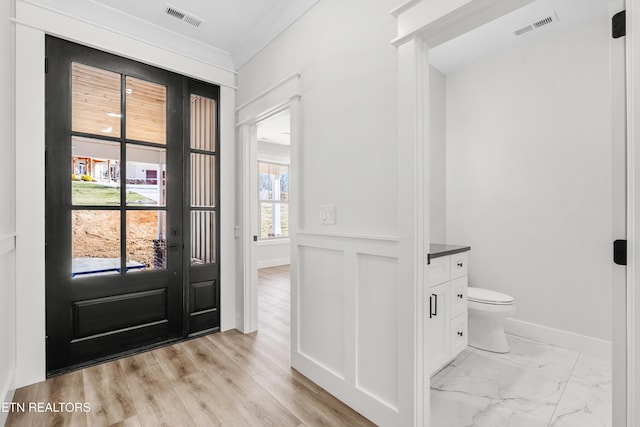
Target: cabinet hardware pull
[(433, 308), (460, 264), (459, 333), (460, 296), (430, 307)]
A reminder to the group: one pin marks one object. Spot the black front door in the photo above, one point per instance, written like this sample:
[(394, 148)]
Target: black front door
[(118, 226)]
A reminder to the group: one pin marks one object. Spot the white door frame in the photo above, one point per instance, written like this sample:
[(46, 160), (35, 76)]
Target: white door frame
[(633, 212), (421, 24), (282, 96)]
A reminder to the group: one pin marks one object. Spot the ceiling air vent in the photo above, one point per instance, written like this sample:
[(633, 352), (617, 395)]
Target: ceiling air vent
[(183, 16), (536, 24)]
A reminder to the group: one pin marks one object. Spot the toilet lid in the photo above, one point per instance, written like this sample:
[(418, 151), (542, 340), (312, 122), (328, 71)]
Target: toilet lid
[(487, 296)]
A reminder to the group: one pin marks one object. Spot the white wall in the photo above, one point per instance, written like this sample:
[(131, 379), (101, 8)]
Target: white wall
[(529, 182), (7, 204), (348, 72), (437, 156), (361, 350), (29, 107)]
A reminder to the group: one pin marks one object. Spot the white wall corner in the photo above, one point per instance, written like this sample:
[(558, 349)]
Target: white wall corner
[(281, 18)]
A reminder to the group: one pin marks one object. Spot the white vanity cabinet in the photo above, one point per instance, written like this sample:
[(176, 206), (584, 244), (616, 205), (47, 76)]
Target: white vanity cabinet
[(445, 305)]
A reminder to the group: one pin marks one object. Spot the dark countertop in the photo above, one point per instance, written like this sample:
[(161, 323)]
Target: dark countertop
[(437, 250)]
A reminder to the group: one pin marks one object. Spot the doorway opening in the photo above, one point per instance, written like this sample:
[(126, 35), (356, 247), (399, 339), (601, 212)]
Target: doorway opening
[(269, 202), (530, 151)]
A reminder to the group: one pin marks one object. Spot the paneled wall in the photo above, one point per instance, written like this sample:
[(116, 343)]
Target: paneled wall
[(347, 325)]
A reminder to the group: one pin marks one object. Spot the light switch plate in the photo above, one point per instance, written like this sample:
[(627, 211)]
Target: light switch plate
[(327, 214)]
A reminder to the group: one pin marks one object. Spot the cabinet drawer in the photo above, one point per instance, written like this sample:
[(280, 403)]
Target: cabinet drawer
[(458, 265), (458, 296), (458, 338), (439, 270)]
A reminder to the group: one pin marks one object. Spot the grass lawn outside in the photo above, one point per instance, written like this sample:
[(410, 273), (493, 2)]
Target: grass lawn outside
[(92, 193)]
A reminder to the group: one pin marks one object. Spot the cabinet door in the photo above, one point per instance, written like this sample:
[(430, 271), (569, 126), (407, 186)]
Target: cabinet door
[(459, 265), (458, 333), (458, 296), (437, 318)]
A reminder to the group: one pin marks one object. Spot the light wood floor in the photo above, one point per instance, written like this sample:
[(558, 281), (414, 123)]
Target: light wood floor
[(226, 379)]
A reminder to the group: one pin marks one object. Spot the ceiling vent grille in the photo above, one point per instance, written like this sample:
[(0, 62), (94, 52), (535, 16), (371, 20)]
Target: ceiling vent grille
[(183, 16), (537, 24)]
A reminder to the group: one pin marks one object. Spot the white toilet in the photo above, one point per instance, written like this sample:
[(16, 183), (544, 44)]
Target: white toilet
[(487, 310)]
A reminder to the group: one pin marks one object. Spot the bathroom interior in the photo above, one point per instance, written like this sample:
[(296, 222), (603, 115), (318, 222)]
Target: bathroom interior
[(525, 170)]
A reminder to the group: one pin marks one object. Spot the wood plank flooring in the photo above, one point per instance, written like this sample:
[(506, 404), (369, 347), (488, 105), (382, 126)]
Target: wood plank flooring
[(223, 379)]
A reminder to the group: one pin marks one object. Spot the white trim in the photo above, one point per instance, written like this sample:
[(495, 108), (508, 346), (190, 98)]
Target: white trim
[(274, 242), (281, 96), (7, 243), (437, 22), (565, 339), (269, 90), (277, 108), (404, 7), (7, 392), (173, 34), (273, 262), (633, 206), (113, 41), (383, 238)]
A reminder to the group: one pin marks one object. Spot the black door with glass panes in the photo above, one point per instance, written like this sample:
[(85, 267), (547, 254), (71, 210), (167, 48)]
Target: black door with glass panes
[(131, 206)]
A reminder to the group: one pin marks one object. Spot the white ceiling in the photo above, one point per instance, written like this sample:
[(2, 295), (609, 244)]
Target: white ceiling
[(233, 31), (498, 35), (275, 129)]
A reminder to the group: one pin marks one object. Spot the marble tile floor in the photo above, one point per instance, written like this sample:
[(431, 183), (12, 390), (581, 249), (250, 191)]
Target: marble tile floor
[(534, 385)]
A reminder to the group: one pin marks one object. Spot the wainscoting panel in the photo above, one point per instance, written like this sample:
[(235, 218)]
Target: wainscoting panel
[(321, 310), (377, 328), (346, 329)]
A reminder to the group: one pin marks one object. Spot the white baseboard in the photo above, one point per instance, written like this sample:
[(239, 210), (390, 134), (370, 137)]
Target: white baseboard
[(274, 262), (565, 339), (7, 391)]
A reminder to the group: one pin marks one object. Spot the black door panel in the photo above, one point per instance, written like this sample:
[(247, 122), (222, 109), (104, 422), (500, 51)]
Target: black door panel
[(118, 215)]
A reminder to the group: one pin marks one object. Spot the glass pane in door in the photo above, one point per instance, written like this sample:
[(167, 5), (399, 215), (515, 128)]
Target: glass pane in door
[(146, 118), (203, 123), (203, 233), (146, 240), (95, 172), (146, 175), (95, 240), (203, 180), (95, 100)]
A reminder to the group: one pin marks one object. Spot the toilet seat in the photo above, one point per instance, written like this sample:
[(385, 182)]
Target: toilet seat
[(486, 296)]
